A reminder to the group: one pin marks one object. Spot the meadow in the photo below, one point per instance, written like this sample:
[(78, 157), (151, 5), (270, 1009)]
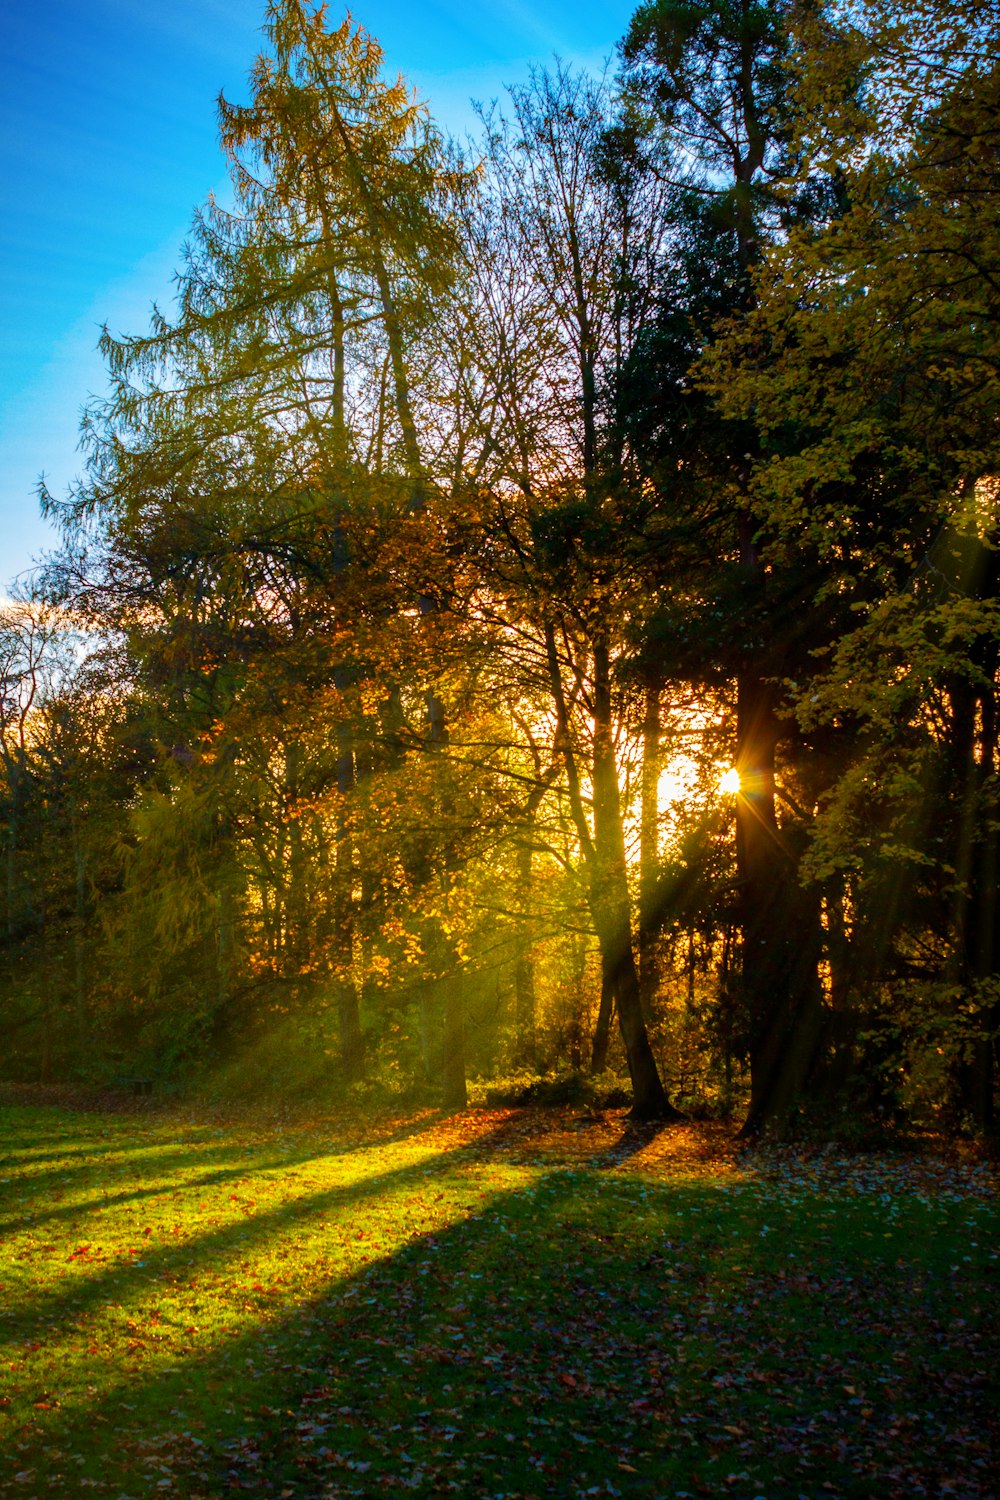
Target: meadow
[(505, 1303)]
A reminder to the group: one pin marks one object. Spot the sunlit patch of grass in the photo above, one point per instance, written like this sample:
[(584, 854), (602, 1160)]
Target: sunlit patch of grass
[(469, 1307), (133, 1254)]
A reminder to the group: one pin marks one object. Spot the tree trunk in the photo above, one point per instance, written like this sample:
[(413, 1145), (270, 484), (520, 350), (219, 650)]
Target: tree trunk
[(454, 1094), (780, 924), (607, 886), (525, 1008), (352, 1060), (602, 1031), (974, 915), (224, 944), (787, 1023), (525, 1001), (649, 977), (296, 920), (10, 871), (14, 766), (79, 932), (611, 908)]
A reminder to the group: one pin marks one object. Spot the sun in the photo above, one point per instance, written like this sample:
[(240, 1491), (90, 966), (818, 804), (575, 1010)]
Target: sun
[(729, 781)]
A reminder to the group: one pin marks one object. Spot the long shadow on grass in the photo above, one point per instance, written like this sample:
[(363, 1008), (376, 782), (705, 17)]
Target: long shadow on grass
[(58, 1166), (33, 1158), (634, 1139), (138, 1159), (78, 1210), (124, 1145), (30, 1155), (503, 1350), (580, 1336), (165, 1158), (122, 1278)]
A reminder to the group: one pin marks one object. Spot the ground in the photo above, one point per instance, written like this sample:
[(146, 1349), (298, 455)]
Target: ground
[(500, 1304)]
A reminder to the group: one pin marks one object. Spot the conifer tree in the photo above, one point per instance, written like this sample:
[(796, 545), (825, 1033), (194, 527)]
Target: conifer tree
[(249, 439)]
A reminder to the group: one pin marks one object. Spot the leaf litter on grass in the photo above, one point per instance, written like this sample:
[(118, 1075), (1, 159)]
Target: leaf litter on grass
[(515, 1303)]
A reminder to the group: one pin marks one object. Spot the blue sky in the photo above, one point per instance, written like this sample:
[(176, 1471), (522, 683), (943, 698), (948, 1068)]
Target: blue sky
[(108, 142)]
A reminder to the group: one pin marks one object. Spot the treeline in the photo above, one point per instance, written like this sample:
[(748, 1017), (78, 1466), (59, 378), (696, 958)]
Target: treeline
[(476, 515)]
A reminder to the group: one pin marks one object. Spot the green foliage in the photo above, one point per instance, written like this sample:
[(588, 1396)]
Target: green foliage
[(868, 366), (457, 528)]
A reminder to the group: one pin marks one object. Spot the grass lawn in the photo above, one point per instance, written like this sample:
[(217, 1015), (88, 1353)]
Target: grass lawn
[(496, 1304)]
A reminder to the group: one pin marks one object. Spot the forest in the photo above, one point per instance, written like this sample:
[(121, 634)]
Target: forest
[(528, 621)]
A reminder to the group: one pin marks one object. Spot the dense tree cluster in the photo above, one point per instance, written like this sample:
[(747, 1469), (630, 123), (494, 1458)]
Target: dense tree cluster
[(471, 513)]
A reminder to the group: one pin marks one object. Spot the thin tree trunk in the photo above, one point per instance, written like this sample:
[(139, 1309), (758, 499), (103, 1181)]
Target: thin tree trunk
[(649, 976), (602, 1031), (348, 1001), (13, 767), (224, 944), (525, 999), (454, 1093), (351, 1036), (608, 893), (296, 922), (525, 1002), (611, 904), (79, 930), (10, 867)]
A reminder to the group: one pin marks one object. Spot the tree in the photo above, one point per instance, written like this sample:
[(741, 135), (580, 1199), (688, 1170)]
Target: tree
[(709, 85), (74, 754), (457, 528), (869, 365), (250, 442)]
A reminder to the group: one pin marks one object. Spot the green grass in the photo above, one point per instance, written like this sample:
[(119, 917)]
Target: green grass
[(479, 1308)]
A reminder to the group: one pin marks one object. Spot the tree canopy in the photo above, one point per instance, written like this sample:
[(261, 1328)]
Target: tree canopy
[(532, 606)]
